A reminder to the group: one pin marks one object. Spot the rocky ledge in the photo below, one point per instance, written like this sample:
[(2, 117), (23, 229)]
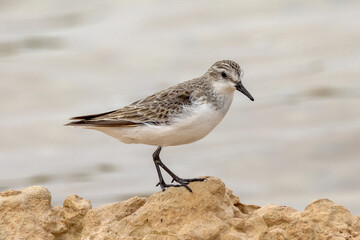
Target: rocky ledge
[(210, 212)]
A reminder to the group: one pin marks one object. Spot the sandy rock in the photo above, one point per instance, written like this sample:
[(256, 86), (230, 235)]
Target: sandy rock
[(210, 212), (73, 213), (175, 212), (101, 223), (28, 214)]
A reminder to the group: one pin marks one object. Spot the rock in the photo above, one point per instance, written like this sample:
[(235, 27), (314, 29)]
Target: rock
[(73, 214), (210, 212), (28, 214), (102, 221)]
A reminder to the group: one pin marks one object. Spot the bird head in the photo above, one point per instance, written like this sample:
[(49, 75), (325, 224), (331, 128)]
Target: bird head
[(226, 77)]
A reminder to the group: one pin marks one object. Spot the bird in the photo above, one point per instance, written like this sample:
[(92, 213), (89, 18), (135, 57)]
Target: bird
[(181, 114)]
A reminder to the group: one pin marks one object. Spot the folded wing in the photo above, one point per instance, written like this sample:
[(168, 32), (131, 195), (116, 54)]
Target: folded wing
[(159, 108)]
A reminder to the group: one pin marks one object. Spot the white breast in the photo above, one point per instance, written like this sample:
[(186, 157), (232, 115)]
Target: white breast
[(196, 123)]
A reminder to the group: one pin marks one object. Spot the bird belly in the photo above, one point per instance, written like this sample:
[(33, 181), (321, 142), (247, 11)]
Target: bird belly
[(195, 124)]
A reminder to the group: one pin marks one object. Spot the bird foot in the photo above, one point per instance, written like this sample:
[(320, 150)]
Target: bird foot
[(187, 180), (163, 185)]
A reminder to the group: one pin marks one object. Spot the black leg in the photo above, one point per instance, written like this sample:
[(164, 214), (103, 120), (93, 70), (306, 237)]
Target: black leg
[(173, 175), (161, 179), (163, 185)]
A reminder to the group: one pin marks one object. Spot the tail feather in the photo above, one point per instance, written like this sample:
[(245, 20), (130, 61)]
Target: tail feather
[(94, 120), (102, 123), (92, 116)]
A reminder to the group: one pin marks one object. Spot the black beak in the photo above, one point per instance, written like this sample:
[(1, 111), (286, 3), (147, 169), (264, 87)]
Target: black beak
[(242, 89)]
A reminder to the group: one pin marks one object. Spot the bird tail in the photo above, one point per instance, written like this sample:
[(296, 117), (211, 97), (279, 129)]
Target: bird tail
[(94, 121)]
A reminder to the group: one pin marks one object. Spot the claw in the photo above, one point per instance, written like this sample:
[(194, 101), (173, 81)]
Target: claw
[(187, 180), (187, 187), (194, 180), (164, 186)]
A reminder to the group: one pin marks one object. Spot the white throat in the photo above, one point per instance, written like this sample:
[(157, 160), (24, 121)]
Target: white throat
[(224, 95), (223, 88)]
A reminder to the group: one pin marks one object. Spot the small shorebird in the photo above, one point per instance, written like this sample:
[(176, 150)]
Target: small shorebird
[(181, 114)]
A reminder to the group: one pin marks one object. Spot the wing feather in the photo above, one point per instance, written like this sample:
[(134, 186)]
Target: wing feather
[(159, 108)]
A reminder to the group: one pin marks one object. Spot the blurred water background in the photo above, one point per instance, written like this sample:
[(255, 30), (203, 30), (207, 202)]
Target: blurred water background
[(299, 140)]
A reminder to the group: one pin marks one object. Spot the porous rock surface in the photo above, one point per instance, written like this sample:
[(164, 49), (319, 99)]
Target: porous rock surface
[(210, 212)]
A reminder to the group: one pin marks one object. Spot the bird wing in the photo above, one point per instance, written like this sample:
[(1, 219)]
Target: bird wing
[(159, 108)]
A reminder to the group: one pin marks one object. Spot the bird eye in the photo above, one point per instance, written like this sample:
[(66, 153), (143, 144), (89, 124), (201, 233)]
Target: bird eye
[(223, 74)]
